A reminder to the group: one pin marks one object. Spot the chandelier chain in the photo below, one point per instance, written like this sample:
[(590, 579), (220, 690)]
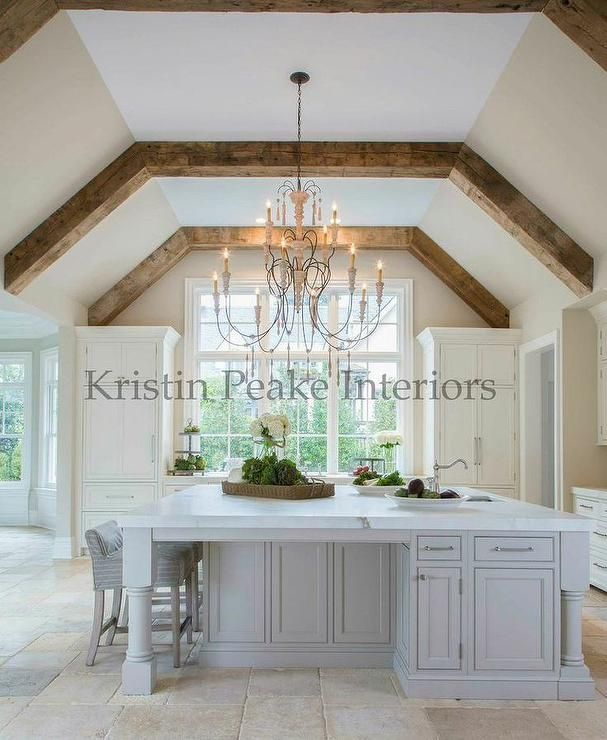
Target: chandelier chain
[(299, 135)]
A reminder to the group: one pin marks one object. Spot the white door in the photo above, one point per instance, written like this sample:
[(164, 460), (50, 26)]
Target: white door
[(457, 434), (438, 618), (497, 362), (458, 362), (299, 592), (139, 448), (102, 439), (514, 616), (496, 441), (362, 592), (236, 592)]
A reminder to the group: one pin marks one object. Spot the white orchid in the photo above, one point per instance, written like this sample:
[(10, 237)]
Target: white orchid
[(388, 439)]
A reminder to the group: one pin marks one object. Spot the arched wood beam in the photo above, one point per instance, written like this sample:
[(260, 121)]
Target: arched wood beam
[(517, 215), (60, 231), (585, 22), (216, 238)]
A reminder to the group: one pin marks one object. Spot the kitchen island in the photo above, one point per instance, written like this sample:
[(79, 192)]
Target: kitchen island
[(481, 600)]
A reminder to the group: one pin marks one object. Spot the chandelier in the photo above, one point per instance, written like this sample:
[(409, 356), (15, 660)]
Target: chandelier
[(298, 274)]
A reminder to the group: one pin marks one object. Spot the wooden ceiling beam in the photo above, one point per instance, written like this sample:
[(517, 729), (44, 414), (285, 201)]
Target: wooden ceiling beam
[(19, 21), (585, 22), (69, 223), (310, 6), (459, 280), (212, 238), (524, 221), (139, 279)]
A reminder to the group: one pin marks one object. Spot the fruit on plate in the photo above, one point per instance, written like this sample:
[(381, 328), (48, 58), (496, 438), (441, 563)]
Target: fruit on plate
[(416, 488), (449, 494)]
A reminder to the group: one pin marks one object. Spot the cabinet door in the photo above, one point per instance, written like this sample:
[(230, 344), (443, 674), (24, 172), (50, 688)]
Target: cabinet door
[(299, 592), (236, 592), (457, 439), (102, 439), (139, 439), (102, 356), (514, 614), (438, 618), (140, 357), (362, 592), (458, 361), (496, 441), (602, 403), (497, 362)]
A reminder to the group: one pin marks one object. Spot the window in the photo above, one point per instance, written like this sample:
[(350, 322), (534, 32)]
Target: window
[(49, 376), (15, 392), (329, 433)]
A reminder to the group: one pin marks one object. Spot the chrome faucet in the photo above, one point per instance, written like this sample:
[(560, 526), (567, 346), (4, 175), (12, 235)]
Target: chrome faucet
[(437, 467)]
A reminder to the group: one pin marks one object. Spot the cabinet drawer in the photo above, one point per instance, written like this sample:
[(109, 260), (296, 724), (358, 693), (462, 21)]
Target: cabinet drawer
[(118, 497), (586, 507), (514, 548), (439, 548), (598, 569), (598, 536)]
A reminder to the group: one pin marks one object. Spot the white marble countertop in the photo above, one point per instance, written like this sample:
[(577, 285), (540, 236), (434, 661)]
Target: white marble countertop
[(206, 507)]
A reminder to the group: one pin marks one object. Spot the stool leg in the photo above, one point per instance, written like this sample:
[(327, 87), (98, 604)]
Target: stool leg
[(176, 622), (116, 601), (96, 627), (189, 602), (195, 589)]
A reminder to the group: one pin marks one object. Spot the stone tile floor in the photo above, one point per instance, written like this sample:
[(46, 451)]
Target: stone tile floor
[(46, 691)]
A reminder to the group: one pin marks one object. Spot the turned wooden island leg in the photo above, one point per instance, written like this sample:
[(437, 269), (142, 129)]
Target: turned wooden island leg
[(575, 681), (139, 570)]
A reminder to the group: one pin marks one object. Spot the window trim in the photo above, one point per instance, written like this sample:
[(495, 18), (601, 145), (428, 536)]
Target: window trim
[(26, 457), (43, 480), (194, 287)]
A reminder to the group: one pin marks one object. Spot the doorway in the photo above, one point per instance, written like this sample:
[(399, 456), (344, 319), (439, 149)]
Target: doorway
[(540, 422)]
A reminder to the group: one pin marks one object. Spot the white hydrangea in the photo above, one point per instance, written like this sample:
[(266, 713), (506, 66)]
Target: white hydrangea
[(256, 428), (391, 439), (276, 429), (276, 426)]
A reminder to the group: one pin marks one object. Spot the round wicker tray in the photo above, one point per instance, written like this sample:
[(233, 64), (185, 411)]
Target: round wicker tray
[(314, 489)]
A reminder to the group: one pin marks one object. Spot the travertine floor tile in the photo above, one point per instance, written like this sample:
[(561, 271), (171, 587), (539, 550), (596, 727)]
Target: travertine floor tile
[(20, 682), (197, 685), (160, 723), (579, 720), (358, 686), (51, 641), (375, 723), (9, 708), (164, 686), (284, 682), (283, 718), (497, 724), (39, 660), (58, 723), (79, 689)]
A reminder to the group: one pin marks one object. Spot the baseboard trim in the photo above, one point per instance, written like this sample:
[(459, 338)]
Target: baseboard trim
[(263, 658), (64, 548)]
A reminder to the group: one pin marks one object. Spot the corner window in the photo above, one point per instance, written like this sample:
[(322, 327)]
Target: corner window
[(49, 376), (15, 395)]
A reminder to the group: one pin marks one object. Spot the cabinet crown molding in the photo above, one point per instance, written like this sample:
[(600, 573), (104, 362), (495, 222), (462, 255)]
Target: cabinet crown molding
[(164, 333), (468, 335), (599, 312)]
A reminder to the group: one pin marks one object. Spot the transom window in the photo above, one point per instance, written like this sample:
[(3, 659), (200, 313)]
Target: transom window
[(330, 432)]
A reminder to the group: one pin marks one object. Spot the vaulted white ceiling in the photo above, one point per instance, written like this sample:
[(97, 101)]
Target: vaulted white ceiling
[(219, 76)]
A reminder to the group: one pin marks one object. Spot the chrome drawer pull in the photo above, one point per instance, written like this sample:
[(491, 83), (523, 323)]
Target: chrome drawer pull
[(600, 534), (602, 567), (118, 495), (584, 506), (497, 548), (438, 549)]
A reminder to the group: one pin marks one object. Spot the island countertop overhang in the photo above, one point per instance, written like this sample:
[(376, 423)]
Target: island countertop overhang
[(205, 508)]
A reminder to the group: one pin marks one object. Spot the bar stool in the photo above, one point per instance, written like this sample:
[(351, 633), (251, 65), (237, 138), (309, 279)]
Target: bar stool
[(174, 566)]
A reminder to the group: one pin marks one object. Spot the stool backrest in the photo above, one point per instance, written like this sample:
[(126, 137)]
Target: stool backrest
[(105, 548)]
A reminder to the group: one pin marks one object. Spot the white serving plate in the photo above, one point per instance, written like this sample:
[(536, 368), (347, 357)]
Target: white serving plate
[(426, 503), (376, 490)]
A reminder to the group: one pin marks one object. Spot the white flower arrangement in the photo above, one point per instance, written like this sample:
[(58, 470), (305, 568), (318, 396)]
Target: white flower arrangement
[(272, 429), (388, 439)]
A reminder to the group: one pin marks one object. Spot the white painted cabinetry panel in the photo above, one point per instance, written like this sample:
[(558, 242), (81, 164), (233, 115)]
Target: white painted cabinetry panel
[(497, 362), (514, 618), (299, 592), (458, 439), (362, 593), (139, 436), (103, 440), (236, 591), (438, 618), (458, 362), (496, 452)]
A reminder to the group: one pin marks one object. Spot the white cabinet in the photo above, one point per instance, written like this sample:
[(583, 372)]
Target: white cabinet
[(236, 591), (403, 600), (513, 617), (125, 437), (299, 592), (362, 593), (600, 316), (472, 419), (592, 503), (439, 610), (602, 404)]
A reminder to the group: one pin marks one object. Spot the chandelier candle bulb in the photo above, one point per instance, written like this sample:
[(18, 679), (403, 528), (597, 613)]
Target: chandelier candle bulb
[(268, 211), (215, 291), (226, 260), (380, 272), (352, 255)]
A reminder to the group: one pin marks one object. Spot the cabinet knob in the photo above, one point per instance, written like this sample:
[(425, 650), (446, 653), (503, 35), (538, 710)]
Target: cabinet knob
[(423, 577)]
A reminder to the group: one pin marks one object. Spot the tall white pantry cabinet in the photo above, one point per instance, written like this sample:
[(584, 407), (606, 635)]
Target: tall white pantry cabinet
[(125, 446), (481, 430)]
